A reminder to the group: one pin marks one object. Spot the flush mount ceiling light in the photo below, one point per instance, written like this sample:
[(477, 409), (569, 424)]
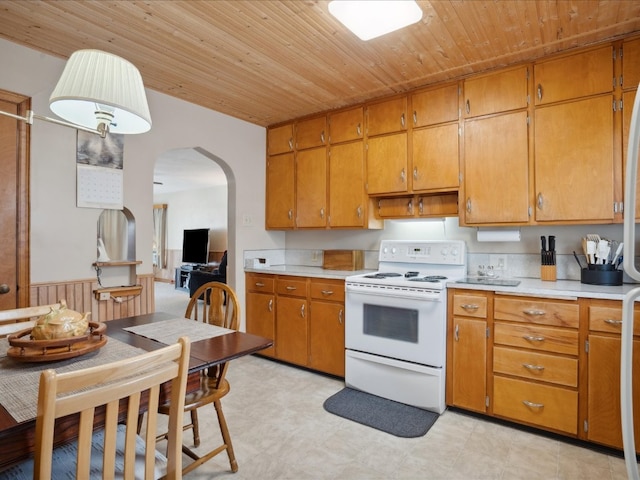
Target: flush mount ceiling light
[(98, 92), (372, 18)]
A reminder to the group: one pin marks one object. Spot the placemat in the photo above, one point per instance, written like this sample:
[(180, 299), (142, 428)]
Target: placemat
[(169, 331), (19, 380)]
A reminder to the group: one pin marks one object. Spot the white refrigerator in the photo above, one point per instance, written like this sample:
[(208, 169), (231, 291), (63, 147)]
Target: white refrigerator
[(626, 356)]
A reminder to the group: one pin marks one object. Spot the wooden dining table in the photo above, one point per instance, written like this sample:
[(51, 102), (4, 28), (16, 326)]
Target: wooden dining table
[(17, 436)]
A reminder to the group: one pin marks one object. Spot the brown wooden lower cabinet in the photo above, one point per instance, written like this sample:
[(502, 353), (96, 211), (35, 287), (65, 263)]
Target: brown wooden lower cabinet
[(549, 363), (304, 315)]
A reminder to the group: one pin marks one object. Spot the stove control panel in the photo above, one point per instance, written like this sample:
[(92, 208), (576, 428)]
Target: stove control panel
[(439, 252)]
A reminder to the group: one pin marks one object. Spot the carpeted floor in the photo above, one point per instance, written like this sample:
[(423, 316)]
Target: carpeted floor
[(170, 300)]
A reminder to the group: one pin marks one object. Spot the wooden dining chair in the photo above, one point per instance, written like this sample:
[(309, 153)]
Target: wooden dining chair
[(17, 319), (115, 449), (219, 306)]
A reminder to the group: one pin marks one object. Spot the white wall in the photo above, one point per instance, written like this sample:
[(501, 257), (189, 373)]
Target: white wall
[(63, 237)]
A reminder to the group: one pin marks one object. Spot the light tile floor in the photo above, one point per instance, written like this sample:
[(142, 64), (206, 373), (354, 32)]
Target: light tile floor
[(281, 431)]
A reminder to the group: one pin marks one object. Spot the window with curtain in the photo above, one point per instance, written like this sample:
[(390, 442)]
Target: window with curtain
[(160, 235)]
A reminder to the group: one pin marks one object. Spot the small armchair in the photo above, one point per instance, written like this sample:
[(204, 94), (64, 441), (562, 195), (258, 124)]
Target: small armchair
[(197, 278)]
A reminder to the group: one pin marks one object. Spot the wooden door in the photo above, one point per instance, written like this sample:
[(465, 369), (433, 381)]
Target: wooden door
[(292, 329), (496, 164), (497, 92), (628, 99), (311, 188), (280, 191), (346, 125), (574, 153), (387, 164), (311, 133), (436, 163), (469, 364), (347, 198), (280, 139), (387, 116), (14, 203), (326, 337), (434, 106), (261, 318)]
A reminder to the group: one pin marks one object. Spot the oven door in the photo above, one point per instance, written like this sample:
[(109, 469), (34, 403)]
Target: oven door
[(403, 324)]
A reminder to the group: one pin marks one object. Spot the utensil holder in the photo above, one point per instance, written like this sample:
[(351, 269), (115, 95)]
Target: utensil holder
[(548, 273), (601, 275)]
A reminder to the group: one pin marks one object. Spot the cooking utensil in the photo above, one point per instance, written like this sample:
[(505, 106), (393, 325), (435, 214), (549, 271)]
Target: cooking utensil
[(591, 251), (603, 249), (543, 250), (575, 255), (552, 250), (618, 252)]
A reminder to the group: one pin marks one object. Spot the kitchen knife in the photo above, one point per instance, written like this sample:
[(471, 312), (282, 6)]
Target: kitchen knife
[(552, 250), (543, 255)]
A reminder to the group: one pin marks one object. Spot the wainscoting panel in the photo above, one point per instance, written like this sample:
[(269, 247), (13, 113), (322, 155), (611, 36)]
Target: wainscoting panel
[(79, 297)]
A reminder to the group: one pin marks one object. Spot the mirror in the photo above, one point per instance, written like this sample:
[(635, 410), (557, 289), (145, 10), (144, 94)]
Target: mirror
[(116, 236)]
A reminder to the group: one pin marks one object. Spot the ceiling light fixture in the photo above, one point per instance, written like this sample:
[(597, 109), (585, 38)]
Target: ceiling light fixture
[(372, 18), (100, 93)]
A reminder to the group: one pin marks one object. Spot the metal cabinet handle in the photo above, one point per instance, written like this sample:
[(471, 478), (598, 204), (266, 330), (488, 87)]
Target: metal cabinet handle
[(539, 89), (532, 404), (469, 205), (326, 293), (456, 333), (415, 173), (402, 176), (415, 117), (410, 207), (531, 338), (4, 288), (540, 201), (359, 129), (467, 106), (302, 311), (470, 306), (291, 288), (537, 368), (340, 313), (611, 321), (290, 214), (402, 121), (420, 207), (259, 284), (536, 313), (271, 305), (322, 136), (322, 213), (291, 144), (359, 211)]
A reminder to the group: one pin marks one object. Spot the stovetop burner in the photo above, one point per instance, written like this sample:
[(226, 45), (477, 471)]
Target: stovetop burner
[(428, 278), (383, 275)]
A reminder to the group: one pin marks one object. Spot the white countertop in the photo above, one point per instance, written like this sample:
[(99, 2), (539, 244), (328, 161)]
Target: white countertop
[(302, 271), (558, 289)]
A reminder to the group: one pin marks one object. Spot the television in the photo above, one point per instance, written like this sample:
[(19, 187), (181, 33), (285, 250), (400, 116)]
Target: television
[(195, 246)]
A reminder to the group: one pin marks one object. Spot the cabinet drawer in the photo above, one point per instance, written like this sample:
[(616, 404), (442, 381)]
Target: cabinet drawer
[(536, 337), (609, 319), (539, 312), (535, 365), (328, 290), (470, 305), (551, 407), (259, 283), (291, 286)]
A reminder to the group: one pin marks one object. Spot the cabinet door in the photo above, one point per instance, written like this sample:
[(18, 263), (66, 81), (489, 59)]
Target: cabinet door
[(436, 163), (498, 92), (387, 164), (469, 364), (496, 164), (574, 161), (292, 330), (386, 117), (628, 98), (346, 125), (261, 318), (574, 76), (311, 188), (326, 337), (631, 64), (603, 411), (280, 191), (396, 207), (311, 133), (347, 197), (280, 139), (435, 106)]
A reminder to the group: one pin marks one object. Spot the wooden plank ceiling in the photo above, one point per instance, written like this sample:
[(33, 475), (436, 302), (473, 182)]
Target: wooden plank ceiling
[(271, 61)]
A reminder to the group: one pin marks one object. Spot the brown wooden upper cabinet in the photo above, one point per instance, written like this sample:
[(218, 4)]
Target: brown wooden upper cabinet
[(280, 205), (434, 106), (503, 91), (346, 125), (387, 117), (574, 76), (630, 64), (311, 133), (280, 139), (311, 188)]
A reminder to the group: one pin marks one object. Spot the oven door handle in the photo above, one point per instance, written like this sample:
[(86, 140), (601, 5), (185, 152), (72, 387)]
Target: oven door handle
[(426, 296)]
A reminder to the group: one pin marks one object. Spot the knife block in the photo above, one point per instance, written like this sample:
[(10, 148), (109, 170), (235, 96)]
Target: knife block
[(548, 273)]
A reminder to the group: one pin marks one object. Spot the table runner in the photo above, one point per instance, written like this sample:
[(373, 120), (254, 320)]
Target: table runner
[(19, 380), (169, 331)]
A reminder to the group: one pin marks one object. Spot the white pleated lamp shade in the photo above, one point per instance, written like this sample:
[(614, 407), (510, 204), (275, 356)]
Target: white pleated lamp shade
[(94, 81)]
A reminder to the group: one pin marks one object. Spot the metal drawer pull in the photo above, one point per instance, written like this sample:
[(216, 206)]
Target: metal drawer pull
[(528, 366), (533, 339), (533, 405), (359, 130), (302, 311), (456, 334), (289, 287), (327, 292), (534, 312), (259, 284), (340, 313), (271, 305), (611, 321), (470, 306)]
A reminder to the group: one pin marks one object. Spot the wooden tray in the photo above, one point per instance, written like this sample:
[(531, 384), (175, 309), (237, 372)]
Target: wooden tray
[(28, 350)]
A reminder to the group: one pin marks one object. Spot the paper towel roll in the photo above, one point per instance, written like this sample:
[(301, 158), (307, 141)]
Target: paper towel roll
[(498, 234)]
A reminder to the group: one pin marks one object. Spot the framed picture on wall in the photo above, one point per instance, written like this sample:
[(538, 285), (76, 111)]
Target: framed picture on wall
[(99, 171)]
